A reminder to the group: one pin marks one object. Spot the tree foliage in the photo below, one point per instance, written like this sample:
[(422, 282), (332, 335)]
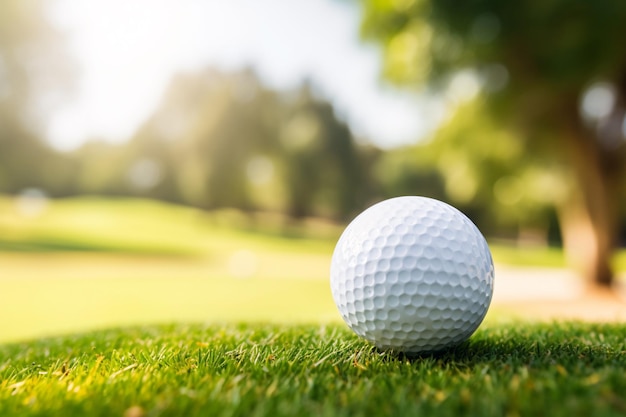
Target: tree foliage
[(226, 141), (552, 75), (35, 74)]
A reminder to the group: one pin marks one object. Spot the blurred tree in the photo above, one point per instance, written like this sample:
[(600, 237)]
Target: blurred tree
[(35, 74), (103, 169), (324, 167), (210, 126), (485, 170), (408, 170), (225, 140), (553, 72)]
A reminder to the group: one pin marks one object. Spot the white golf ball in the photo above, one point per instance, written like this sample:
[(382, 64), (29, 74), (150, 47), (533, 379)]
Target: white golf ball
[(412, 274)]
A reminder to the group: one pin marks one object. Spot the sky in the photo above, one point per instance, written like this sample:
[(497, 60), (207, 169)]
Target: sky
[(127, 51)]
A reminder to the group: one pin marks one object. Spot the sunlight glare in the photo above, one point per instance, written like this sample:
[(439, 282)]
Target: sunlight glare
[(127, 57), (128, 51)]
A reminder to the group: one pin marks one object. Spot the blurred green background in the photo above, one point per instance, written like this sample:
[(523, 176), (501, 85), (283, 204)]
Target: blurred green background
[(225, 201)]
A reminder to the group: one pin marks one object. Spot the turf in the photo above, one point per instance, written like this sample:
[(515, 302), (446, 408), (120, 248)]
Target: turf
[(567, 369), (88, 263)]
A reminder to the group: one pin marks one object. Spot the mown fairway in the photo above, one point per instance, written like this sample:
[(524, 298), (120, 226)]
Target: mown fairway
[(90, 263), (271, 370)]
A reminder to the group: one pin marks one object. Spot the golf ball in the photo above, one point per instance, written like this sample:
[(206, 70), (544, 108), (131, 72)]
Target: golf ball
[(412, 274)]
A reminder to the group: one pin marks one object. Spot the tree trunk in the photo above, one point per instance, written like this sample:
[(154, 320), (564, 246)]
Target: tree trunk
[(587, 243), (589, 218)]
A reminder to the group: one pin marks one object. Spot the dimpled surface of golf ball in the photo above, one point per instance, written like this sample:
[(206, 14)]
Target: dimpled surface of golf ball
[(413, 275)]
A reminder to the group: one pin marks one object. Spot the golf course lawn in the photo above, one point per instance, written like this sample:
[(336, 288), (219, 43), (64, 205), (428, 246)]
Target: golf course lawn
[(136, 308), (567, 369)]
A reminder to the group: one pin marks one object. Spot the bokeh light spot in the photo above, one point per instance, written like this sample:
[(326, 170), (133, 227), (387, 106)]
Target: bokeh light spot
[(31, 202), (260, 170), (598, 101), (145, 173), (243, 264), (463, 87)]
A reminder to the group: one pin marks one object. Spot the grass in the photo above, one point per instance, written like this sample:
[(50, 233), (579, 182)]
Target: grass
[(566, 369), (89, 263), (536, 256), (145, 227), (127, 266), (125, 262), (64, 294)]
